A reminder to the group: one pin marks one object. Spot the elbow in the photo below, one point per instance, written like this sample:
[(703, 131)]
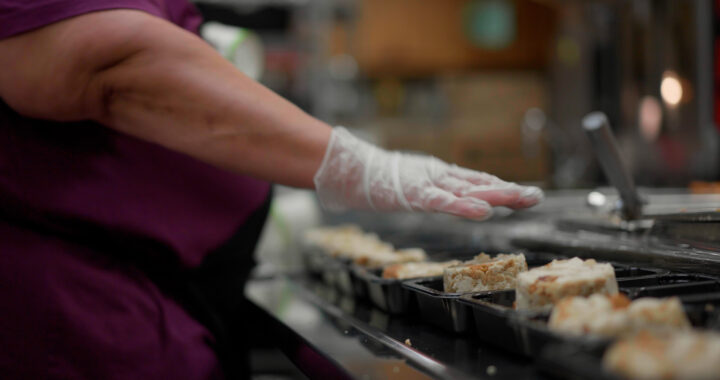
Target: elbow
[(46, 100), (58, 72)]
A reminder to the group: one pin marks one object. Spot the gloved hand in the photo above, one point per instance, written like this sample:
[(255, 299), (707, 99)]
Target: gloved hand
[(358, 175)]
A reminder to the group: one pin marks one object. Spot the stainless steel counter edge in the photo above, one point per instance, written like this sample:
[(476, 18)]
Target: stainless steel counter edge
[(341, 338)]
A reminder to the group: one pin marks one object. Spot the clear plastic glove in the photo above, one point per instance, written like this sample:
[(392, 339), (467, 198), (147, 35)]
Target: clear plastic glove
[(357, 175)]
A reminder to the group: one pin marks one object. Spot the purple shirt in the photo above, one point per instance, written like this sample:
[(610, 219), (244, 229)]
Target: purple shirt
[(70, 311)]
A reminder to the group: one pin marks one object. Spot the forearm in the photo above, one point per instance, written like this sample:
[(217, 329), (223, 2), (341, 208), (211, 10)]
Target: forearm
[(189, 99), (148, 78)]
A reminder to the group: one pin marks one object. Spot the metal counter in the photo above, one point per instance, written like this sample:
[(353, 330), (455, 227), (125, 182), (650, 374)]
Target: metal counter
[(330, 336)]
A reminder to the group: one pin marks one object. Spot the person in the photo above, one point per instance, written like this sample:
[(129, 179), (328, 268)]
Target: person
[(135, 165)]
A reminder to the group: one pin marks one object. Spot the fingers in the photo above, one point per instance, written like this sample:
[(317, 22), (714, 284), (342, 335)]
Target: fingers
[(494, 196), (462, 186), (530, 196), (470, 208), (474, 177), (497, 194), (464, 182), (513, 196), (438, 200)]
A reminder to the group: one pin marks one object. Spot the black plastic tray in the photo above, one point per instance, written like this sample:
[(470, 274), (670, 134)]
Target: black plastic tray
[(582, 359), (491, 314), (443, 309), (314, 260), (703, 309), (498, 323), (627, 272), (336, 273), (359, 284), (534, 334), (662, 279), (333, 271), (388, 294), (674, 285), (351, 279), (567, 361), (437, 307), (339, 272)]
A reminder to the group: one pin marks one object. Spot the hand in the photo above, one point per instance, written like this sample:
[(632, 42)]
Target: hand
[(355, 174)]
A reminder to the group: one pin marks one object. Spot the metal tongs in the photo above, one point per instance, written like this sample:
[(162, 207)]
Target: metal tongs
[(697, 228), (597, 127)]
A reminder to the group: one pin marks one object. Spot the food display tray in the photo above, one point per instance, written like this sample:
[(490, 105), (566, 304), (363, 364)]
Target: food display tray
[(337, 273), (527, 333), (443, 309), (498, 323), (437, 307), (314, 260), (356, 280), (333, 271), (574, 361), (353, 280), (491, 318), (581, 358), (359, 284), (674, 284), (389, 294)]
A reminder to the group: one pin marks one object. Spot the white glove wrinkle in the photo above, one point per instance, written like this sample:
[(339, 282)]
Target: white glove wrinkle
[(326, 157), (475, 177), (437, 199), (399, 193), (366, 178), (454, 185)]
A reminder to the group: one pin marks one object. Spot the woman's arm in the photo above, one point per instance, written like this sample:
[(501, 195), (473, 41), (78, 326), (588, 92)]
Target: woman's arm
[(148, 78), (151, 79)]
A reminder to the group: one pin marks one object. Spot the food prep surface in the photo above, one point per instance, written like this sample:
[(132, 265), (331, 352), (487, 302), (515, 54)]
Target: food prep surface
[(464, 336), (364, 342), (342, 309)]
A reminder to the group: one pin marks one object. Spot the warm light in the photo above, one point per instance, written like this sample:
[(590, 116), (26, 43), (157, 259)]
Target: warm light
[(650, 117), (671, 89)]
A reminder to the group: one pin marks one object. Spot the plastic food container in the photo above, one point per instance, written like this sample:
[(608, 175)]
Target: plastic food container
[(582, 358), (696, 292), (445, 310), (524, 332)]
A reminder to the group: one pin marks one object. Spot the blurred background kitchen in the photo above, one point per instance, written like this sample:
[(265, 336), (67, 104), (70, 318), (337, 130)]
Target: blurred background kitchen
[(498, 85)]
